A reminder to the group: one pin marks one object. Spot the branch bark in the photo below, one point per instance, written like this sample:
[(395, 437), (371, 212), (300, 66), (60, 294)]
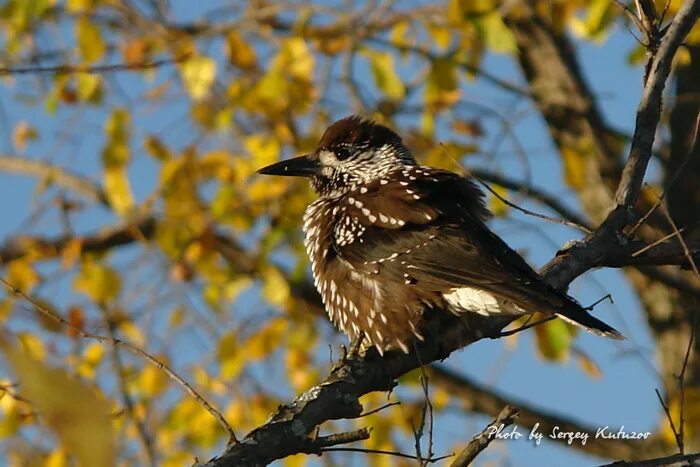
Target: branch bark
[(506, 417), (338, 395)]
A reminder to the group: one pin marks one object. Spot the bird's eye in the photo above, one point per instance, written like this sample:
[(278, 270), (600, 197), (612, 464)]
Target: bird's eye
[(342, 153)]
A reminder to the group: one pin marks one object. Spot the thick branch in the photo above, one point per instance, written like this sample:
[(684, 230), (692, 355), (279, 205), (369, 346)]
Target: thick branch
[(609, 235), (338, 396), (677, 460)]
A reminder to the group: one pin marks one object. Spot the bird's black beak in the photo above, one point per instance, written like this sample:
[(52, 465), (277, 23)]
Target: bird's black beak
[(302, 166)]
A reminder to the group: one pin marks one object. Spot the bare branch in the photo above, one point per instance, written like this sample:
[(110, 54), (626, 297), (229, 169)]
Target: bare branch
[(67, 69), (538, 195), (609, 235), (55, 174), (506, 417)]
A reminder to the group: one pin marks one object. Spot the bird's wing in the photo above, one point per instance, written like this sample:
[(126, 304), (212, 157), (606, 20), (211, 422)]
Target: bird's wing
[(440, 241)]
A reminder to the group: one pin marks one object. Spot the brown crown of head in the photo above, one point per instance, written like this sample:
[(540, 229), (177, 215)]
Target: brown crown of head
[(357, 132)]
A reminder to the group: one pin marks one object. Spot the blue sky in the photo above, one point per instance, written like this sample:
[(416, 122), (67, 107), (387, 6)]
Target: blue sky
[(625, 393)]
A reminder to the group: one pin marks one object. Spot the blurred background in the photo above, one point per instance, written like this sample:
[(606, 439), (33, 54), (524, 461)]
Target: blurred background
[(130, 132)]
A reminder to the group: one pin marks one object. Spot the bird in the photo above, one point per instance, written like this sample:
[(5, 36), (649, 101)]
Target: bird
[(389, 239)]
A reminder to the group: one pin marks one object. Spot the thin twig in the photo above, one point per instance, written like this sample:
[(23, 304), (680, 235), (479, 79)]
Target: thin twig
[(672, 180), (677, 232), (576, 224), (654, 243), (143, 434), (523, 327), (132, 348), (66, 69), (318, 444), (681, 384), (598, 302), (379, 409), (669, 418)]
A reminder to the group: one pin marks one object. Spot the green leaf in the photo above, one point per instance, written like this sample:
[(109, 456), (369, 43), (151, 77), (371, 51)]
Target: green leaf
[(384, 74), (495, 33), (553, 340), (442, 85), (595, 26)]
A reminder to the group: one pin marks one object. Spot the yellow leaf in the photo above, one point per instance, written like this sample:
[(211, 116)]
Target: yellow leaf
[(21, 274), (118, 189), (229, 356), (275, 287), (80, 6), (88, 86), (75, 413), (399, 33), (116, 151), (152, 381), (215, 164), (301, 374), (295, 59), (595, 26), (71, 253), (265, 150), (239, 52), (385, 77), (89, 38), (441, 35), (132, 332), (198, 74), (5, 309), (176, 317), (691, 415), (32, 345), (574, 167), (58, 458), (22, 134), (588, 365), (98, 281), (495, 34), (266, 339), (298, 460), (442, 85), (92, 356), (156, 148)]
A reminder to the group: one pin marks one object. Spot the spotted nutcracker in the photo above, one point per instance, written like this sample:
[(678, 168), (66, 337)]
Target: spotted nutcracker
[(389, 239)]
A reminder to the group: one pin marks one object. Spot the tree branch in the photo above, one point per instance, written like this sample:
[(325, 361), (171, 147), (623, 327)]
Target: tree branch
[(506, 417), (55, 174), (338, 395), (677, 460)]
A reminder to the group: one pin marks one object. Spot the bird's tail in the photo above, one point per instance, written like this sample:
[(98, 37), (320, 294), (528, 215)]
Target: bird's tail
[(578, 316)]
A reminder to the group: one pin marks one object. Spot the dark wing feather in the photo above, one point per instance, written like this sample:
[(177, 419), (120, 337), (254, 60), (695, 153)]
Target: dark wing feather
[(444, 243)]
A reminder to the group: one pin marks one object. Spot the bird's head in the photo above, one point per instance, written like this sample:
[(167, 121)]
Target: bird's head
[(352, 151)]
